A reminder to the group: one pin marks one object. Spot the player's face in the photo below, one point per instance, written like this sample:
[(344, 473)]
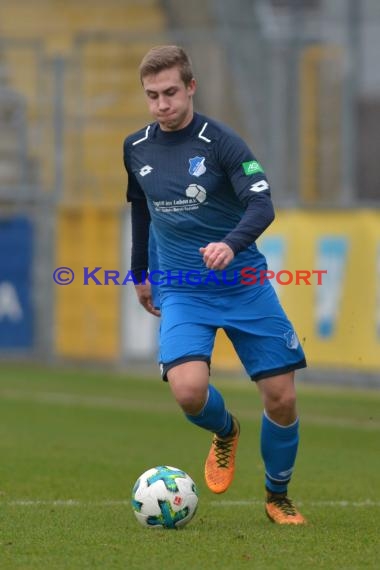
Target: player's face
[(170, 101)]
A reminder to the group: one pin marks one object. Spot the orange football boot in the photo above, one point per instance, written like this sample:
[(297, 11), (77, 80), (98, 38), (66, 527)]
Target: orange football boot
[(220, 463), (281, 510)]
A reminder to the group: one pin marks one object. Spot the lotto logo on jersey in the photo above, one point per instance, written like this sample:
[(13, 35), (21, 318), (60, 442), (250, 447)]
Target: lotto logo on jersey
[(252, 167), (147, 169), (259, 186)]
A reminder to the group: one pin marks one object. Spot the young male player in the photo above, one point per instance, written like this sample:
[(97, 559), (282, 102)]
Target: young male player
[(201, 199)]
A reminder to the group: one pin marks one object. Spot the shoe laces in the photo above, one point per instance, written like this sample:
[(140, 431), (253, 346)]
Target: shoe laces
[(223, 449), (284, 503)]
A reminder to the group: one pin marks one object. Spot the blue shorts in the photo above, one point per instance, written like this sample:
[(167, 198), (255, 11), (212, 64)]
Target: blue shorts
[(253, 319)]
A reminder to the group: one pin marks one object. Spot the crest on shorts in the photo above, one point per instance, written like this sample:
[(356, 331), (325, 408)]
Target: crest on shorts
[(291, 338), (197, 165)]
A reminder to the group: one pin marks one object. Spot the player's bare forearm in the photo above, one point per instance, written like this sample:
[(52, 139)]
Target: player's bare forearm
[(217, 255), (144, 295)]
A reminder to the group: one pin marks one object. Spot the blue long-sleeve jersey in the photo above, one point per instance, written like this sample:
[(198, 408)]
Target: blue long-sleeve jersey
[(201, 184)]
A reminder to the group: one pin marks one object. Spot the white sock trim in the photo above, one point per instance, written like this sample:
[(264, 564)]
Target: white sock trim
[(202, 409), (279, 425)]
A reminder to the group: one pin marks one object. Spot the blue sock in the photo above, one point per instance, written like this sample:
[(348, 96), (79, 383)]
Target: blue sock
[(278, 449), (214, 416)]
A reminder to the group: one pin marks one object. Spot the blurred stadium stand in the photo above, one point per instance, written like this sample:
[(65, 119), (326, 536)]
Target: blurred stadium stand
[(298, 80)]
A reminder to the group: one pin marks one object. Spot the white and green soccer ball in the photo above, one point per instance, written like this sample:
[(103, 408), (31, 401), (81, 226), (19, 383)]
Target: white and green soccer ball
[(164, 497)]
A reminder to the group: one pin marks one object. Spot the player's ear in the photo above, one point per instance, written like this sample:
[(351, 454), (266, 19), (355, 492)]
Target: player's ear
[(192, 86)]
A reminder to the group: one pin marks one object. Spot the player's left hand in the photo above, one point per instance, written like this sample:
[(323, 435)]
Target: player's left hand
[(144, 295), (217, 255)]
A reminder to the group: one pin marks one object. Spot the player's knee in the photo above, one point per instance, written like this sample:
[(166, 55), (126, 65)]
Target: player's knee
[(191, 400), (189, 385), (282, 404), (189, 395)]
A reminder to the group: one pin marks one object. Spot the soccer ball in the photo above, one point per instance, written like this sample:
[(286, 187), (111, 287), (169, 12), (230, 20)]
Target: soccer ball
[(196, 191), (164, 497)]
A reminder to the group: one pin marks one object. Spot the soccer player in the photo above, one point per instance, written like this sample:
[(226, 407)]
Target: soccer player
[(200, 199)]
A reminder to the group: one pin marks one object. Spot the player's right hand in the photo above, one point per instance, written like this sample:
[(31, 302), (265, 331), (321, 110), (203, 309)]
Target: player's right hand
[(144, 294), (217, 255)]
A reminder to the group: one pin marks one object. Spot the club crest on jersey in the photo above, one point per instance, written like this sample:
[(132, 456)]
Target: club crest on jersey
[(197, 165)]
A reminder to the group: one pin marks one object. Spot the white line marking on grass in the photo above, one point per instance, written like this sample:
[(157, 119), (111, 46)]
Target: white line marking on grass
[(121, 502), (84, 401), (247, 503), (63, 503), (119, 403)]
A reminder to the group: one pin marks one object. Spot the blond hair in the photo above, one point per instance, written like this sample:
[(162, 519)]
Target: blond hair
[(165, 57)]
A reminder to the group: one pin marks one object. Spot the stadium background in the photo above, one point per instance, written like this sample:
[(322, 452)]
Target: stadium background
[(298, 80)]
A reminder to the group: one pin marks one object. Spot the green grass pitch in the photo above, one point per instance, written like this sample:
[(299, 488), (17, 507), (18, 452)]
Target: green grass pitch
[(72, 444)]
